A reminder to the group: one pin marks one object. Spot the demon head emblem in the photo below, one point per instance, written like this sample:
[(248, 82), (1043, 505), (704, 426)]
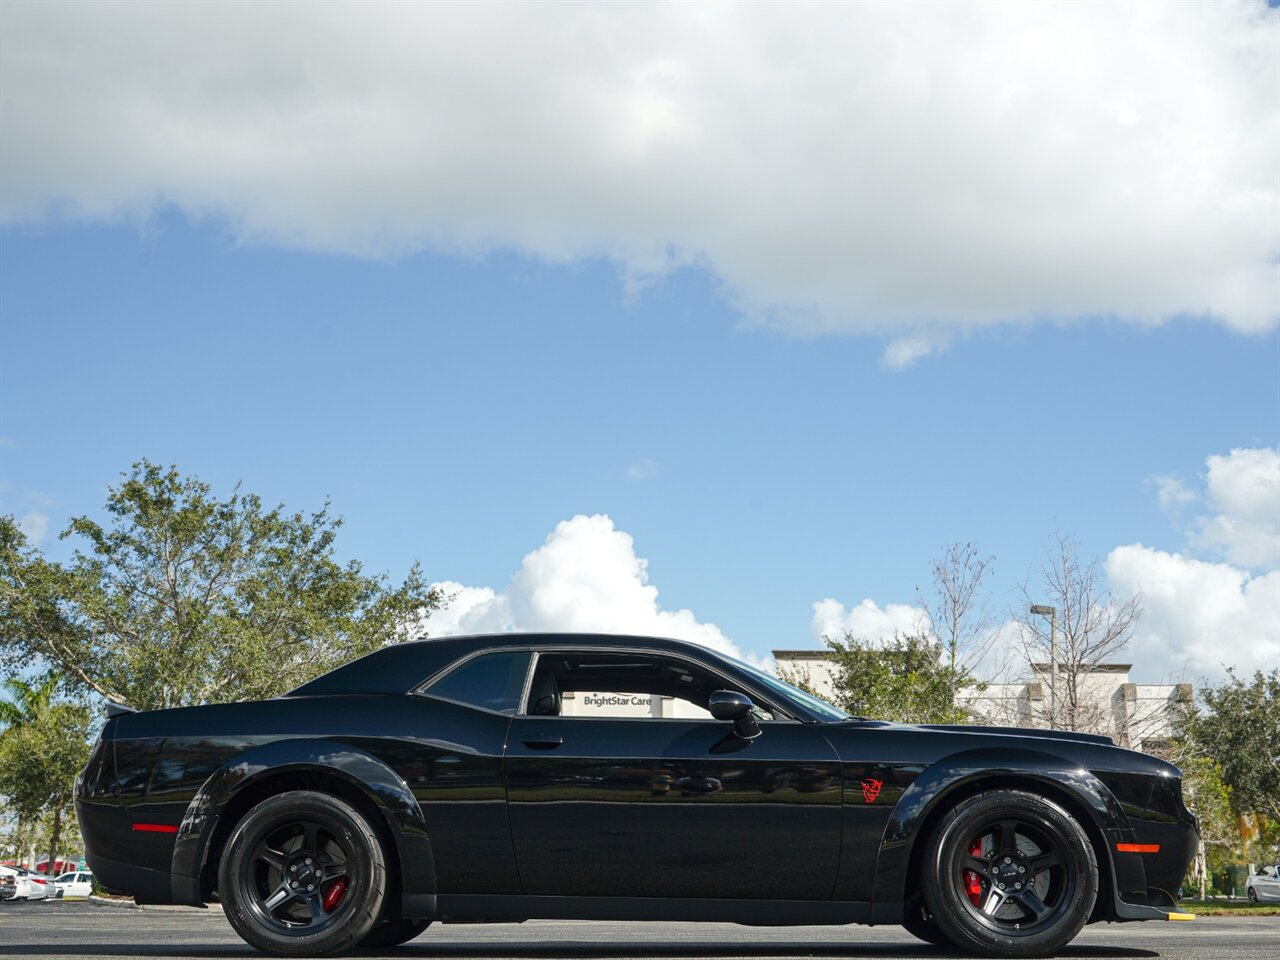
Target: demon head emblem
[(871, 789)]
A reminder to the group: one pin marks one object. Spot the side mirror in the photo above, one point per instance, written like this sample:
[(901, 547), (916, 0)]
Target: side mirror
[(728, 705)]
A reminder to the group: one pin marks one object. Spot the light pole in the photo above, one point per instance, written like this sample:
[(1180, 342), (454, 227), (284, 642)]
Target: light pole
[(1042, 610)]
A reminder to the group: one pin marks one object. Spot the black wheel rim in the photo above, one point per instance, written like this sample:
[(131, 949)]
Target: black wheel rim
[(295, 878), (1014, 876)]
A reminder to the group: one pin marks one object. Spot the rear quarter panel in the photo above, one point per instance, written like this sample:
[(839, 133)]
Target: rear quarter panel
[(448, 758)]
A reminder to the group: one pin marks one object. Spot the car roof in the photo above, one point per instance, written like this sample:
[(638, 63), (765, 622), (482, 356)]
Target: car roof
[(400, 667)]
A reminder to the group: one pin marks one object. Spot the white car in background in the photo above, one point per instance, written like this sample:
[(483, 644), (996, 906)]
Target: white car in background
[(20, 883), (1264, 886), (78, 884), (27, 886), (39, 887)]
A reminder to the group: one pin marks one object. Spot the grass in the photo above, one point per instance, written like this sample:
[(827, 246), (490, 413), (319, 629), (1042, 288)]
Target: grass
[(1229, 908)]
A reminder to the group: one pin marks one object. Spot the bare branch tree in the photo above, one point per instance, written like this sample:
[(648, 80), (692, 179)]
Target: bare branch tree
[(960, 621), (1092, 628)]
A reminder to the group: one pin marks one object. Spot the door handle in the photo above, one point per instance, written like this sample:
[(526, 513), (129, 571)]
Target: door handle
[(543, 743)]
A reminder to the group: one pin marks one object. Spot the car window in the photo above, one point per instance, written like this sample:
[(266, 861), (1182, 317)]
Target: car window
[(493, 681), (623, 685)]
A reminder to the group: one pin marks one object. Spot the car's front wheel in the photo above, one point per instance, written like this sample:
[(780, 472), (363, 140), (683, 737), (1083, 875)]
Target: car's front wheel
[(1009, 874), (1253, 895), (303, 874)]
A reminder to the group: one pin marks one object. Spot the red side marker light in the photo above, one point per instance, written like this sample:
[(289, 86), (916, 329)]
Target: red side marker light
[(1138, 847), (155, 828)]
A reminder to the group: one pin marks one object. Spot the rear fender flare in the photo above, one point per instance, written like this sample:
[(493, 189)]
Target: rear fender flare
[(376, 781), (943, 780)]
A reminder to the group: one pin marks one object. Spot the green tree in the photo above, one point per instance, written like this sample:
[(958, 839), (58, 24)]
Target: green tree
[(1209, 798), (43, 747), (905, 679), (184, 598), (1240, 729)]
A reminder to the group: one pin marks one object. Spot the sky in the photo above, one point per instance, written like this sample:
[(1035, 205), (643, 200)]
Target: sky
[(706, 321)]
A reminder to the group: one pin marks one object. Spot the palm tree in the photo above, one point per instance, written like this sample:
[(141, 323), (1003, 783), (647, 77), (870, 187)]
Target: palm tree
[(28, 705), (28, 702)]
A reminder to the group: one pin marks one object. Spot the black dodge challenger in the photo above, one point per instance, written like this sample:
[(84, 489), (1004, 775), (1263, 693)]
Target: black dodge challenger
[(450, 780)]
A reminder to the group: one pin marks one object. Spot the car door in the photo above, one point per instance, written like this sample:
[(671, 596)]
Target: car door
[(1267, 884), (668, 806)]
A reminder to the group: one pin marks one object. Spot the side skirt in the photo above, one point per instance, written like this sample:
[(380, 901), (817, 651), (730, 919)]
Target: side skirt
[(482, 908)]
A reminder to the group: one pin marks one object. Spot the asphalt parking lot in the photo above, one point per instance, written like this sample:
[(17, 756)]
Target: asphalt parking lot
[(82, 929)]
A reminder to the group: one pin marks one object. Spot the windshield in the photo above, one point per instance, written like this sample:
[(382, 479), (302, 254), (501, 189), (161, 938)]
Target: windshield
[(795, 694)]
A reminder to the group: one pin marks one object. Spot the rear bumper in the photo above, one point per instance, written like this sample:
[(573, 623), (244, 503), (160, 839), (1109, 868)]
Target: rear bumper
[(128, 862), (127, 879)]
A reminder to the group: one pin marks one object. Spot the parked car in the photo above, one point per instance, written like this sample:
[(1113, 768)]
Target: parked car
[(8, 886), (42, 888), (21, 885), (76, 885), (28, 886), (1264, 886), (442, 779)]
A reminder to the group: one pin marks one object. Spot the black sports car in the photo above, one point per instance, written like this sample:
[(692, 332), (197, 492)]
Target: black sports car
[(479, 778)]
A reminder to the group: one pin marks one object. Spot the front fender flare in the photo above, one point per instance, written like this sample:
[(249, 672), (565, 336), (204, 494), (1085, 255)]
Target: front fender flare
[(381, 785), (943, 779)]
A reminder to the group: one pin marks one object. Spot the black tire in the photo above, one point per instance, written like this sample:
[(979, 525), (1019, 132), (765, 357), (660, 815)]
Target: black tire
[(917, 922), (1009, 874), (1253, 895), (287, 859), (392, 933)]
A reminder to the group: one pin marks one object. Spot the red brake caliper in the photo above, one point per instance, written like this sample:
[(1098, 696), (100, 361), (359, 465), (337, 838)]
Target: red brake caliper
[(334, 894), (973, 882)]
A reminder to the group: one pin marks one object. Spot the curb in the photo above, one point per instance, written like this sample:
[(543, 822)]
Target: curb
[(182, 908), (105, 902), (159, 907)]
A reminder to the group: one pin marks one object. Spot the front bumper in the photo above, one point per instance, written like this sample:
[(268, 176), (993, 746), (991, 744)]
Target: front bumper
[(1149, 862)]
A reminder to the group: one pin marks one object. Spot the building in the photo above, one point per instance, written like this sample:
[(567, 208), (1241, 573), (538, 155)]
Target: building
[(1140, 715)]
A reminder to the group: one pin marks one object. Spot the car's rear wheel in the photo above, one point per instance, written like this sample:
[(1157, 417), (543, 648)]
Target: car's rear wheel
[(392, 933), (1009, 874), (303, 874)]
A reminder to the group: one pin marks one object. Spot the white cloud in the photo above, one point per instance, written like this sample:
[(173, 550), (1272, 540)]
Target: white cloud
[(867, 620), (469, 610), (1172, 493), (1198, 617), (34, 526), (585, 578), (902, 352), (1243, 491), (642, 470), (881, 169)]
